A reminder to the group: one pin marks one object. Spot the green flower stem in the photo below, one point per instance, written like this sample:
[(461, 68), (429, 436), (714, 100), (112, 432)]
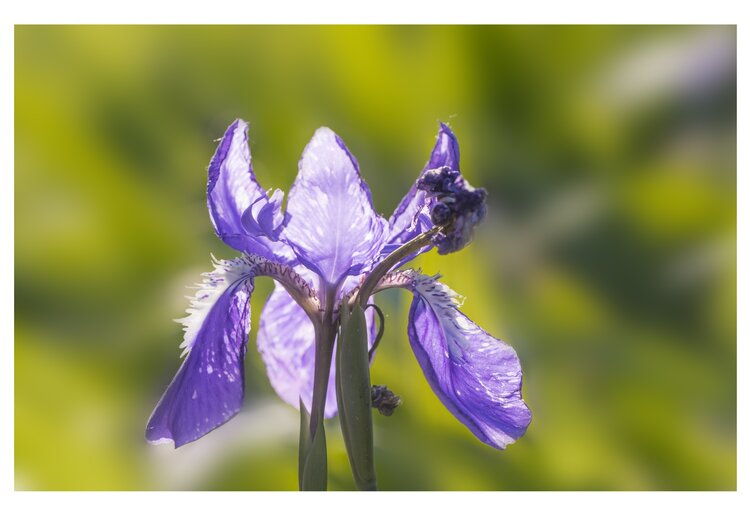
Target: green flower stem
[(314, 463), (392, 260), (358, 433), (353, 395)]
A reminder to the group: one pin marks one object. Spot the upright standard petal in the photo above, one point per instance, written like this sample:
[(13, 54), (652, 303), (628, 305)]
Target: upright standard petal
[(286, 342), (412, 216), (476, 376), (242, 214), (332, 226), (209, 386)]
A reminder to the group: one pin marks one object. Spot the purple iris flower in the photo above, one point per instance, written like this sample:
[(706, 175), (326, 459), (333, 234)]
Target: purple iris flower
[(326, 245)]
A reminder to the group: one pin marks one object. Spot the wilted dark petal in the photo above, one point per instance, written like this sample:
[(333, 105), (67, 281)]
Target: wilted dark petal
[(232, 190), (445, 152), (332, 226), (458, 207), (476, 376), (209, 386), (286, 341), (412, 216)]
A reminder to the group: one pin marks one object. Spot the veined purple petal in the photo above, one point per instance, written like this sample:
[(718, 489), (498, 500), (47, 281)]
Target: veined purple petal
[(209, 386), (270, 218), (476, 376), (412, 216), (332, 226), (233, 191), (286, 341)]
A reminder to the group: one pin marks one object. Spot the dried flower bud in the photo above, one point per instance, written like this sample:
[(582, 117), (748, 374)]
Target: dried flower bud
[(384, 400), (458, 207)]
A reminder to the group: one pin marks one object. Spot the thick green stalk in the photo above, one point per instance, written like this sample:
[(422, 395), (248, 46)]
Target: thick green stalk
[(353, 395), (391, 261), (325, 335), (305, 441), (313, 460)]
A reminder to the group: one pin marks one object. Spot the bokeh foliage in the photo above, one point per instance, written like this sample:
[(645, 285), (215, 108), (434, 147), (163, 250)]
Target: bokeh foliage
[(607, 258)]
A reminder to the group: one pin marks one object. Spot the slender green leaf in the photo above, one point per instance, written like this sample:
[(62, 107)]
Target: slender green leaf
[(354, 398), (315, 470), (305, 439)]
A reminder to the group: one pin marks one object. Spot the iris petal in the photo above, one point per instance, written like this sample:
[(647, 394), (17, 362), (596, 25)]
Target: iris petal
[(286, 341), (476, 376), (412, 216), (209, 386), (332, 225), (232, 189)]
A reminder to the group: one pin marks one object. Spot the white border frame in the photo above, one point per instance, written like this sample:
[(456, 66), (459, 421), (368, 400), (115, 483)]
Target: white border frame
[(383, 11)]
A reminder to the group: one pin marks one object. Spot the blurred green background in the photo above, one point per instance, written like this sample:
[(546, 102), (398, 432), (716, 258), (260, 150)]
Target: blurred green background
[(607, 258)]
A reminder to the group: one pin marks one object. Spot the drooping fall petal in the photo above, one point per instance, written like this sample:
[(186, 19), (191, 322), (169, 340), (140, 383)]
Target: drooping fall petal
[(286, 342), (476, 376), (209, 386)]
